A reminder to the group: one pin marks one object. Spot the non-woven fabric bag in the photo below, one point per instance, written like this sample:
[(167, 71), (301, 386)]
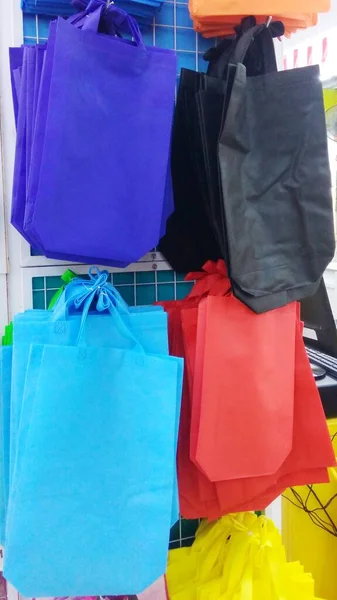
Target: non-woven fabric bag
[(218, 8), (212, 99), (41, 94), (5, 391), (148, 324), (143, 493), (149, 328), (211, 280), (245, 400), (189, 241), (196, 230), (311, 451), (119, 509), (227, 25), (31, 104), (134, 72), (47, 7), (19, 179), (15, 62), (279, 215)]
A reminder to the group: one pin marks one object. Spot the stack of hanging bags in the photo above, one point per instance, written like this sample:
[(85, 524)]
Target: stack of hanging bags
[(73, 196), (90, 403), (250, 172), (239, 557), (215, 18), (252, 422)]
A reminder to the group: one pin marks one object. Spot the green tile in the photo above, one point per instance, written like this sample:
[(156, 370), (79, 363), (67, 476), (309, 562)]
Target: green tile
[(165, 276), (166, 291), (38, 283), (189, 527), (180, 276), (145, 294), (54, 283), (145, 277), (183, 289), (49, 295), (127, 293), (123, 278), (39, 300)]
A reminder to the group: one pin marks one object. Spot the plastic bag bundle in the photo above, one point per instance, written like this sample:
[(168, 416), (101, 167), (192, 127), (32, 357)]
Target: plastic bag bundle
[(251, 421), (128, 118), (94, 386), (238, 557)]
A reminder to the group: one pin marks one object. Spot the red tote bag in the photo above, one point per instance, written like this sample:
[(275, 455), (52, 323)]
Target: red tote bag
[(191, 504), (206, 489), (312, 451), (247, 389)]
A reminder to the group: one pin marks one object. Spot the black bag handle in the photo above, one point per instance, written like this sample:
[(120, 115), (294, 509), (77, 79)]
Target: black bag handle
[(262, 36), (236, 49)]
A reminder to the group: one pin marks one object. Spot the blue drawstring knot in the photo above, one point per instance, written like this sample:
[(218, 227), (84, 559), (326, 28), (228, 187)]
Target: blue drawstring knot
[(81, 293)]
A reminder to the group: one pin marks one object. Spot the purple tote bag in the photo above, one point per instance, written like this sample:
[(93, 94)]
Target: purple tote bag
[(34, 64), (15, 62), (19, 180), (99, 186)]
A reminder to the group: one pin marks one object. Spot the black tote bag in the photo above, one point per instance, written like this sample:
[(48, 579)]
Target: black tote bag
[(189, 240), (256, 49), (276, 187), (195, 232)]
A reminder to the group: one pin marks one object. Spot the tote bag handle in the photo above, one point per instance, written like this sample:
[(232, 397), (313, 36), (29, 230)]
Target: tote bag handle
[(267, 47), (232, 51), (78, 290), (115, 19), (80, 294), (120, 19)]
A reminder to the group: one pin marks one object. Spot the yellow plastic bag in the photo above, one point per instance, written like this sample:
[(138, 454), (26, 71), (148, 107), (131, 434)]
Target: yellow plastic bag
[(238, 557)]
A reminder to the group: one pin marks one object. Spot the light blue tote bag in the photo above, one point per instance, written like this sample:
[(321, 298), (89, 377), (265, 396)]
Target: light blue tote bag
[(96, 471), (5, 391)]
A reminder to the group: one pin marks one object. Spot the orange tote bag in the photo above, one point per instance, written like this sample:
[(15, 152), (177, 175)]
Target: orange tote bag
[(218, 8)]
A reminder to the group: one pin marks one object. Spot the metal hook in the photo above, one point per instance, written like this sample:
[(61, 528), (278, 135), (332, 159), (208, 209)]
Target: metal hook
[(268, 21)]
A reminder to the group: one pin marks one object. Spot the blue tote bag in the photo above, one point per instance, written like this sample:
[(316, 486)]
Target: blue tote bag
[(148, 325), (133, 88), (111, 423), (47, 7), (57, 327), (5, 392)]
